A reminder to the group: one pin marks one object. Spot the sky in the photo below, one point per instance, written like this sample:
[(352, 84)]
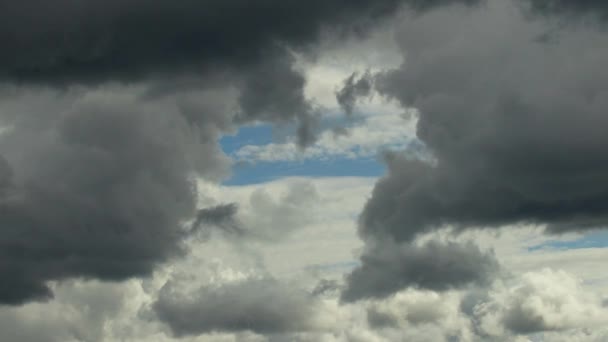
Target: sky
[(322, 170)]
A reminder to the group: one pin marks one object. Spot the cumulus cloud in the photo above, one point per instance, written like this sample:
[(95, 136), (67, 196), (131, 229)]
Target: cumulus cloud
[(512, 121), (537, 302), (99, 191), (515, 133), (107, 126), (388, 268), (261, 305), (99, 153)]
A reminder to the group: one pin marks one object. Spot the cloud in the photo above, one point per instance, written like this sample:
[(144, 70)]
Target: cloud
[(387, 269), (512, 122), (536, 302), (261, 305), (352, 90), (98, 191), (134, 39), (596, 8), (114, 107), (220, 217)]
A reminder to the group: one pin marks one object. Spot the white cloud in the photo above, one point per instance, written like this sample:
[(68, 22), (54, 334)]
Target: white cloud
[(540, 301)]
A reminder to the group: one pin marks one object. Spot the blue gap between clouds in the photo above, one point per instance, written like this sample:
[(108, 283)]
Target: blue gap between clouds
[(592, 240), (252, 173)]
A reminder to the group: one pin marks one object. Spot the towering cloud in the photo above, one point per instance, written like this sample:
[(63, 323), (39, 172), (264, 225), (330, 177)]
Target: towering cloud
[(513, 110), (100, 191)]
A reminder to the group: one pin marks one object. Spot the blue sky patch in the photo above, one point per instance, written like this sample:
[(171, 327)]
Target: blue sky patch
[(593, 240)]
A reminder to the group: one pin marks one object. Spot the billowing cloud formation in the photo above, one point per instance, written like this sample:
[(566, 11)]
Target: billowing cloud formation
[(261, 305), (512, 116), (99, 191), (93, 41), (96, 182), (538, 302), (434, 265), (513, 120)]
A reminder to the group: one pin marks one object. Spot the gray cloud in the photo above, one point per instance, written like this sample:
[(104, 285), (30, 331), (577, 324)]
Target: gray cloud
[(251, 44), (96, 182), (222, 217), (107, 40), (514, 125), (81, 311), (273, 91), (354, 88), (387, 268), (261, 305), (95, 41), (100, 190), (597, 8)]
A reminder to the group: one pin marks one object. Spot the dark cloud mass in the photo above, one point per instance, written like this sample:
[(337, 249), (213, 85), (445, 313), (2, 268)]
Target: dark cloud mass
[(102, 137), (101, 192), (94, 40), (261, 305), (90, 42), (515, 124), (435, 265)]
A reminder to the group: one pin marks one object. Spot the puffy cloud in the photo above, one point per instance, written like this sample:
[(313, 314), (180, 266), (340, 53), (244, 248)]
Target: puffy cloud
[(100, 148), (539, 302), (388, 268), (511, 119), (100, 190), (262, 305), (515, 132)]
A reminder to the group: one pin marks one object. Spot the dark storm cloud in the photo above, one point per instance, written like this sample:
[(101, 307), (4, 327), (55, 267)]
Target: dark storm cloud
[(516, 126), (435, 265), (93, 40), (353, 89), (90, 42), (260, 305), (99, 191)]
